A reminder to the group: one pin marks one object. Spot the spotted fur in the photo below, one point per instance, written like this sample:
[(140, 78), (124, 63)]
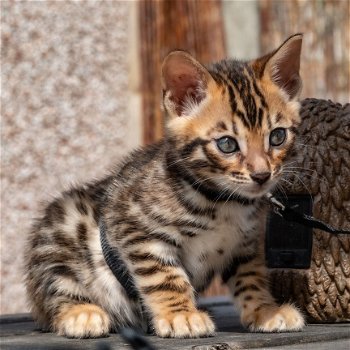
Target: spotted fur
[(177, 212)]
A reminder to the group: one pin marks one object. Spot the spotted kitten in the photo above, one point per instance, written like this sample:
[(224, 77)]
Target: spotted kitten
[(179, 211)]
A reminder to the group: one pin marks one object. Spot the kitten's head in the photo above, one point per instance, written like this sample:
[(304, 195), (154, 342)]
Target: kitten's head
[(232, 125)]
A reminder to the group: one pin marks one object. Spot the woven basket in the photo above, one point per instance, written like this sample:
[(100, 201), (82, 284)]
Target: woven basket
[(323, 290)]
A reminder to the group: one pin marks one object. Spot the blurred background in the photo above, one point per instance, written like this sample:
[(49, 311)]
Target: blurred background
[(80, 87)]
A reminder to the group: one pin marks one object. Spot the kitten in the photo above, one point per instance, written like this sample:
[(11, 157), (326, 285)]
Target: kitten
[(177, 212)]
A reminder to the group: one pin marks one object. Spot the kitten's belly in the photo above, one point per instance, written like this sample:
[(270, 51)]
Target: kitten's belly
[(210, 251)]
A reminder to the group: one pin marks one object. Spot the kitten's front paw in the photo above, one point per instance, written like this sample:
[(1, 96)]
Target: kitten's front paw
[(184, 325), (82, 321), (273, 318)]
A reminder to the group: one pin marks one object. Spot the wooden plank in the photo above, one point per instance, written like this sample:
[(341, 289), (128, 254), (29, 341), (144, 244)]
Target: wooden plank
[(19, 332), (192, 25), (342, 344), (239, 339), (325, 67)]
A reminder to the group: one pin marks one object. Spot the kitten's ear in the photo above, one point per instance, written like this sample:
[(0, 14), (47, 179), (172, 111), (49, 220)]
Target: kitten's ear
[(184, 83), (283, 66)]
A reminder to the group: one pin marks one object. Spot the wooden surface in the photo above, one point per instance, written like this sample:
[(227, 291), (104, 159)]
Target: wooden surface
[(325, 67), (20, 332)]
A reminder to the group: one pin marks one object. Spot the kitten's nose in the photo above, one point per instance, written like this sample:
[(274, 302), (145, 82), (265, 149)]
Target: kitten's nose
[(260, 178)]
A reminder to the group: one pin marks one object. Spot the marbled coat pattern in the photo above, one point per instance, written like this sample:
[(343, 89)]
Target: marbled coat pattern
[(178, 211)]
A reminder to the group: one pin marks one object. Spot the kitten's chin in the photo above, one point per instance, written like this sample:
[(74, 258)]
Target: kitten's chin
[(254, 191)]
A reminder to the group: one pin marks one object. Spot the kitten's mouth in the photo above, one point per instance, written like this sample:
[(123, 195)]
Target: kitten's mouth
[(255, 190), (249, 190)]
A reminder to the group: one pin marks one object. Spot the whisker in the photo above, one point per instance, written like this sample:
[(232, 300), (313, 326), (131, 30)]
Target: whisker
[(178, 161), (314, 172), (301, 181), (280, 188)]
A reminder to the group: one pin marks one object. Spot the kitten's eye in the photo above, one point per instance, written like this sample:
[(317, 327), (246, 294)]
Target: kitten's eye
[(277, 136), (227, 144)]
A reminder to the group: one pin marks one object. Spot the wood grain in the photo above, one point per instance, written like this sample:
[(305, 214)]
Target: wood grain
[(192, 25), (20, 332), (325, 63)]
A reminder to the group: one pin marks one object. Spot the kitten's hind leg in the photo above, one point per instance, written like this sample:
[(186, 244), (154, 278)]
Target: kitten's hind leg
[(81, 321)]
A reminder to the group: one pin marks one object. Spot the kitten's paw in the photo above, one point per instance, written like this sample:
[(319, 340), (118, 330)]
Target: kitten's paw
[(273, 318), (82, 321), (184, 325)]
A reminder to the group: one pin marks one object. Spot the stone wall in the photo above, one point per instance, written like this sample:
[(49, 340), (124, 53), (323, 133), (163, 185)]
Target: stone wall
[(67, 111)]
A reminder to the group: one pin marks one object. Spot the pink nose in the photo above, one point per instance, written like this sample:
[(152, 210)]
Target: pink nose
[(260, 178)]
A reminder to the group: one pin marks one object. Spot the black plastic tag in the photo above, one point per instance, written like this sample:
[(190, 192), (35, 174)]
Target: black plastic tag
[(289, 244)]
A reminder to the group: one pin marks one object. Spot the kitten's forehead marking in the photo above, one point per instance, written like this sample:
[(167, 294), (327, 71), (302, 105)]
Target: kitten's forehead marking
[(246, 98)]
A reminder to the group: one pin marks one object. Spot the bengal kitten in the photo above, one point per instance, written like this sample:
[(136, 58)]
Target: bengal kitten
[(179, 211)]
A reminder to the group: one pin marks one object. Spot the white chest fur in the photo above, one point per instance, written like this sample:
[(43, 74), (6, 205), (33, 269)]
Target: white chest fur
[(211, 249)]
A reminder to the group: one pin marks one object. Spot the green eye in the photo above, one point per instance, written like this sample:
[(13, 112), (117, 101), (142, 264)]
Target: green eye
[(277, 136), (227, 144)]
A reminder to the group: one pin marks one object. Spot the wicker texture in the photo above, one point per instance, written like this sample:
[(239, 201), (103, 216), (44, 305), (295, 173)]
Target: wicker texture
[(323, 291)]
